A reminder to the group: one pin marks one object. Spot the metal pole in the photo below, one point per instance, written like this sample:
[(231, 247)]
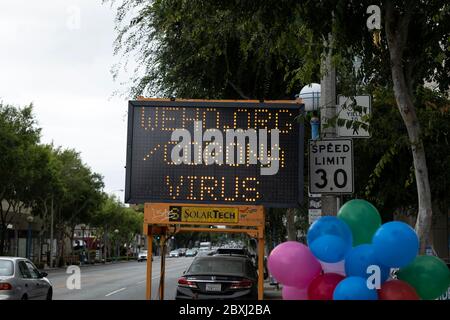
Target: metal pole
[(84, 243), (51, 235), (117, 250), (148, 293), (29, 241), (328, 106), (104, 244), (87, 249), (261, 267), (163, 267)]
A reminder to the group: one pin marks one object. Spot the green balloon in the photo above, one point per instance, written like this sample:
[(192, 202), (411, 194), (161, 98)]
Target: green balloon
[(362, 218), (429, 275)]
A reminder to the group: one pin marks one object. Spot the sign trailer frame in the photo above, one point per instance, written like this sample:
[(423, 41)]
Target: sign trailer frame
[(157, 220)]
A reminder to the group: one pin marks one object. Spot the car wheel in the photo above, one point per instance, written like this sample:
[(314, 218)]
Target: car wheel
[(50, 294), (24, 297)]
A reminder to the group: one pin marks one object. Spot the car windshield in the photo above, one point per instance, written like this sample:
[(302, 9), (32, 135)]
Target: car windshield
[(6, 268), (217, 266)]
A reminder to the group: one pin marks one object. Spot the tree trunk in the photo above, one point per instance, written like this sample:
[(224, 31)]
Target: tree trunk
[(290, 225), (397, 34)]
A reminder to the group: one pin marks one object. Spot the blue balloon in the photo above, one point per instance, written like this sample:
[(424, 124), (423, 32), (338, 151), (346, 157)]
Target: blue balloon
[(354, 288), (329, 239), (360, 258), (396, 244)]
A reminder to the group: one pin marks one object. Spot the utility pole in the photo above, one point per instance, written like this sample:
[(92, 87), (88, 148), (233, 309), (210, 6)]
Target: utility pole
[(51, 234), (328, 111)]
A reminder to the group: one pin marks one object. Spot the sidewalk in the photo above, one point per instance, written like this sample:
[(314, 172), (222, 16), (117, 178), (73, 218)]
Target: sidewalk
[(271, 292)]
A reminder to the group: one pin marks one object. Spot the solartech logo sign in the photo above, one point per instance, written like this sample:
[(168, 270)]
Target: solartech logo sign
[(203, 214)]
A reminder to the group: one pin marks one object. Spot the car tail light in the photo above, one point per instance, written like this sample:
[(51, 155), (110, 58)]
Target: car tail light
[(183, 282), (5, 286), (244, 284)]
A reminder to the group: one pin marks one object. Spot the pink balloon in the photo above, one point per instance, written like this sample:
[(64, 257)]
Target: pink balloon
[(292, 264), (292, 293), (338, 267)]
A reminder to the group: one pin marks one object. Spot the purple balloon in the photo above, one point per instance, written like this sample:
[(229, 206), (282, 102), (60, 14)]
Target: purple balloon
[(292, 264), (292, 293)]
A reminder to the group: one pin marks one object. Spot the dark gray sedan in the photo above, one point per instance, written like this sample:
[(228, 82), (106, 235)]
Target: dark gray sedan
[(21, 280)]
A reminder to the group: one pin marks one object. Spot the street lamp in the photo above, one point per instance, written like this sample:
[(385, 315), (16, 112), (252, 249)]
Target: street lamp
[(30, 219), (117, 244)]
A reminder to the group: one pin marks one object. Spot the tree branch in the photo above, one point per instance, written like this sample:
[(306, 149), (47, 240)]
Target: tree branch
[(238, 91)]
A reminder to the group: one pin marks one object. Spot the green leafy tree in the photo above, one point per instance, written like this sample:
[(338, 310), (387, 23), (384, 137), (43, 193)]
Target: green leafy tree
[(80, 198), (20, 161), (244, 49), (113, 215), (411, 48), (214, 49), (384, 167)]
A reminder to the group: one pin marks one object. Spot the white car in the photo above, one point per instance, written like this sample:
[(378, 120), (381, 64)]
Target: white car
[(142, 256), (174, 254), (21, 280)]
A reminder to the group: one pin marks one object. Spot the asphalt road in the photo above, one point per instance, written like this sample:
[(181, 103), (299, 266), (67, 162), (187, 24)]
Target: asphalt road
[(119, 281)]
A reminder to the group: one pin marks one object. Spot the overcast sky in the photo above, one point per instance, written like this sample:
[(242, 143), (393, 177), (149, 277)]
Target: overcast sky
[(58, 55)]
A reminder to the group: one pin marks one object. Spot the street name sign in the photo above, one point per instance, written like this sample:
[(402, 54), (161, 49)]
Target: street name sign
[(346, 111), (331, 166)]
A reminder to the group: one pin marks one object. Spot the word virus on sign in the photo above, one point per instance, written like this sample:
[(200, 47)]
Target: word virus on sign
[(214, 152)]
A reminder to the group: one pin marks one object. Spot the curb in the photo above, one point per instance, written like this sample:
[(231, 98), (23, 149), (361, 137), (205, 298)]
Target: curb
[(88, 265)]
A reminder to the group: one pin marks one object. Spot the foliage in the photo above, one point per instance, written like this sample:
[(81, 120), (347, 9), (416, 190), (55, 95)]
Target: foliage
[(20, 160), (384, 172), (215, 49), (113, 215)]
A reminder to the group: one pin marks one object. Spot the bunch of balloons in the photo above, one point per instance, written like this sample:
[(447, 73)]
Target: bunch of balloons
[(351, 257)]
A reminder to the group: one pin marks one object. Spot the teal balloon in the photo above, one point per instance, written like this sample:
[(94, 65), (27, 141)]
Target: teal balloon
[(362, 218)]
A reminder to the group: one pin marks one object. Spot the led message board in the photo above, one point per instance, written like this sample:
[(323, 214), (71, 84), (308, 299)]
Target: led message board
[(225, 152)]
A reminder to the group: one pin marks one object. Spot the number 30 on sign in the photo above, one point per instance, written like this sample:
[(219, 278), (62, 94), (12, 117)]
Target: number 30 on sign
[(331, 166)]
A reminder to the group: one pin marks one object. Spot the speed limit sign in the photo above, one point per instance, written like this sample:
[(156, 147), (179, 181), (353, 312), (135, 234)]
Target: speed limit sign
[(331, 166)]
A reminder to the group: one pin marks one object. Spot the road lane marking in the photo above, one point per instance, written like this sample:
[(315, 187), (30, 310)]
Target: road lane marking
[(114, 292)]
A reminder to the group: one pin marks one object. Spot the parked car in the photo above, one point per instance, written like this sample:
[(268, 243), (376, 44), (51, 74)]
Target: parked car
[(174, 254), (244, 252), (182, 252), (191, 253), (21, 280), (219, 277)]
